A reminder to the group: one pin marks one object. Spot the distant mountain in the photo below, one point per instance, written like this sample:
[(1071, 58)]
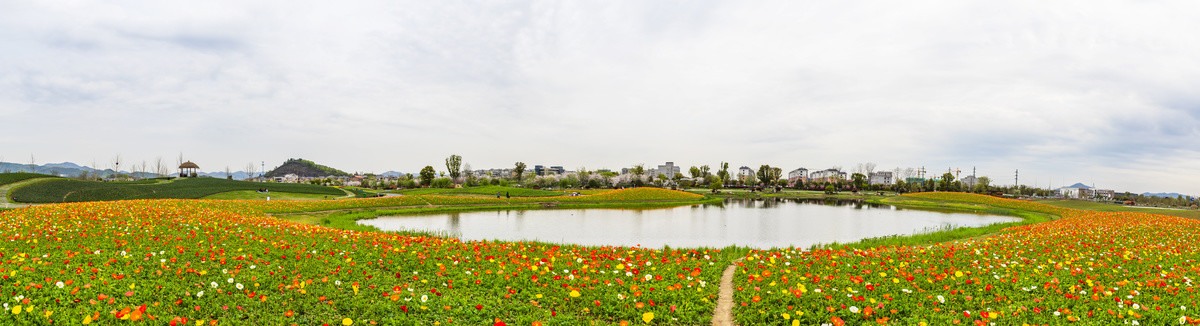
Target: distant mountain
[(305, 168), (66, 165), (1078, 185), (393, 174), (1163, 194), (237, 175)]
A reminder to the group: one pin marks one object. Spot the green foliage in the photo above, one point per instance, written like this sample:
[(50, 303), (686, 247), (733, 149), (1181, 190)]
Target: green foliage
[(304, 168), (7, 178), (454, 165), (65, 190), (427, 175), (519, 169), (442, 183)]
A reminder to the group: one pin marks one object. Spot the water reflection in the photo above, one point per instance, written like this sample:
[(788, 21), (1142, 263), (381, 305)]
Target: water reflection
[(763, 223)]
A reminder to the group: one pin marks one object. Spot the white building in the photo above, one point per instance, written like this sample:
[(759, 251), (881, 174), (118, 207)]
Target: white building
[(668, 169), (827, 175), (745, 173), (883, 178), (799, 174)]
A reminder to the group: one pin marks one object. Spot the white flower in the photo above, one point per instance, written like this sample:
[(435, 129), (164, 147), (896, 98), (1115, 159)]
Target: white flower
[(854, 309), (337, 282), (59, 284), (941, 299), (424, 298), (214, 284), (649, 277), (252, 266), (200, 294), (1182, 320), (230, 280), (1057, 313), (239, 286)]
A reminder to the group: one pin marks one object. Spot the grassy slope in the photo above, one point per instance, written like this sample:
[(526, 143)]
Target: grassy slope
[(1101, 207), (255, 195), (7, 178), (78, 191)]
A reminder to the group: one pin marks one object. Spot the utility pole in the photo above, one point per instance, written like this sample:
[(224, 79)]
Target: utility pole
[(263, 167), (1017, 182)]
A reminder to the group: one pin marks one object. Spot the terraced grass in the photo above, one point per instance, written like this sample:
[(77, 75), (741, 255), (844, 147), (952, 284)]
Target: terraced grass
[(60, 191), (13, 177)]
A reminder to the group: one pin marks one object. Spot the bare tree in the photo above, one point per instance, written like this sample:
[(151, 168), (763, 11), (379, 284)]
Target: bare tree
[(896, 173), (116, 164), (160, 167), (179, 162), (250, 170), (869, 167), (2, 163), (228, 174)]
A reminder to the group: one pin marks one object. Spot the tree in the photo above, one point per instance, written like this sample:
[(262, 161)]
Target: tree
[(638, 171), (695, 172), (764, 174), (723, 174), (519, 169), (159, 168), (947, 181), (859, 179), (776, 174), (251, 169), (116, 165), (677, 177), (983, 183), (704, 170), (427, 175), (453, 165)]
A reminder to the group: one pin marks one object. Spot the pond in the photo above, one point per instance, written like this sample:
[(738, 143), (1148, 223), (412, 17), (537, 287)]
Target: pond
[(750, 223)]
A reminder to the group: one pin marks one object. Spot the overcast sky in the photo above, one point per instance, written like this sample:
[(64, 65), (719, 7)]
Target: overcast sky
[(1103, 92)]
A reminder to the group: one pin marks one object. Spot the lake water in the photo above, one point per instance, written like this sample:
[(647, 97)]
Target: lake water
[(750, 223)]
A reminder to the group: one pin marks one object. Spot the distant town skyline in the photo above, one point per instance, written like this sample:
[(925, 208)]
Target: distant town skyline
[(1092, 92)]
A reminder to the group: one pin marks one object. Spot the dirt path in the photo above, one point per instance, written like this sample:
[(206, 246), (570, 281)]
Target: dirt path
[(723, 316)]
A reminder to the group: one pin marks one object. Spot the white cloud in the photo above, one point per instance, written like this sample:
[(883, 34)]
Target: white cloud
[(1065, 88)]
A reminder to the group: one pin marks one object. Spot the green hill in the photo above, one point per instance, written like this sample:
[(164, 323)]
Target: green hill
[(305, 168), (7, 178), (68, 190)]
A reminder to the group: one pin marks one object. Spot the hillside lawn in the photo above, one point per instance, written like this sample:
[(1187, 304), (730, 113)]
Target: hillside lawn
[(13, 177), (1102, 207), (255, 195), (67, 190)]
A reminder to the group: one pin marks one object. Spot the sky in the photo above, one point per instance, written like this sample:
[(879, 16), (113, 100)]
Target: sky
[(1100, 92)]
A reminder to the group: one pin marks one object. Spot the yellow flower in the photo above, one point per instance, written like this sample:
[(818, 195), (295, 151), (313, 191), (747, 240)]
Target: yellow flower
[(16, 310), (795, 322), (347, 321), (87, 320), (574, 294), (647, 317)]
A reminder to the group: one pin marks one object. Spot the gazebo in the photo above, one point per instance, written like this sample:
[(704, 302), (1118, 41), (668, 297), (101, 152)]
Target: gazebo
[(188, 169)]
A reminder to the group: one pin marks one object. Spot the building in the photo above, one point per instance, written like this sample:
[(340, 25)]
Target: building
[(1105, 194), (800, 174), (188, 169), (881, 178), (827, 175), (1067, 192), (745, 172), (668, 169), (539, 170), (968, 181), (556, 170)]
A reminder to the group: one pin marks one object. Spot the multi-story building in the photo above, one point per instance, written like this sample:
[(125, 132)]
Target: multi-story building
[(827, 175), (744, 173), (800, 174), (881, 178), (668, 169)]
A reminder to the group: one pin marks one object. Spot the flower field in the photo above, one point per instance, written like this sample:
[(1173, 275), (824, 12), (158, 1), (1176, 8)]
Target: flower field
[(624, 195), (193, 262), (1088, 268)]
